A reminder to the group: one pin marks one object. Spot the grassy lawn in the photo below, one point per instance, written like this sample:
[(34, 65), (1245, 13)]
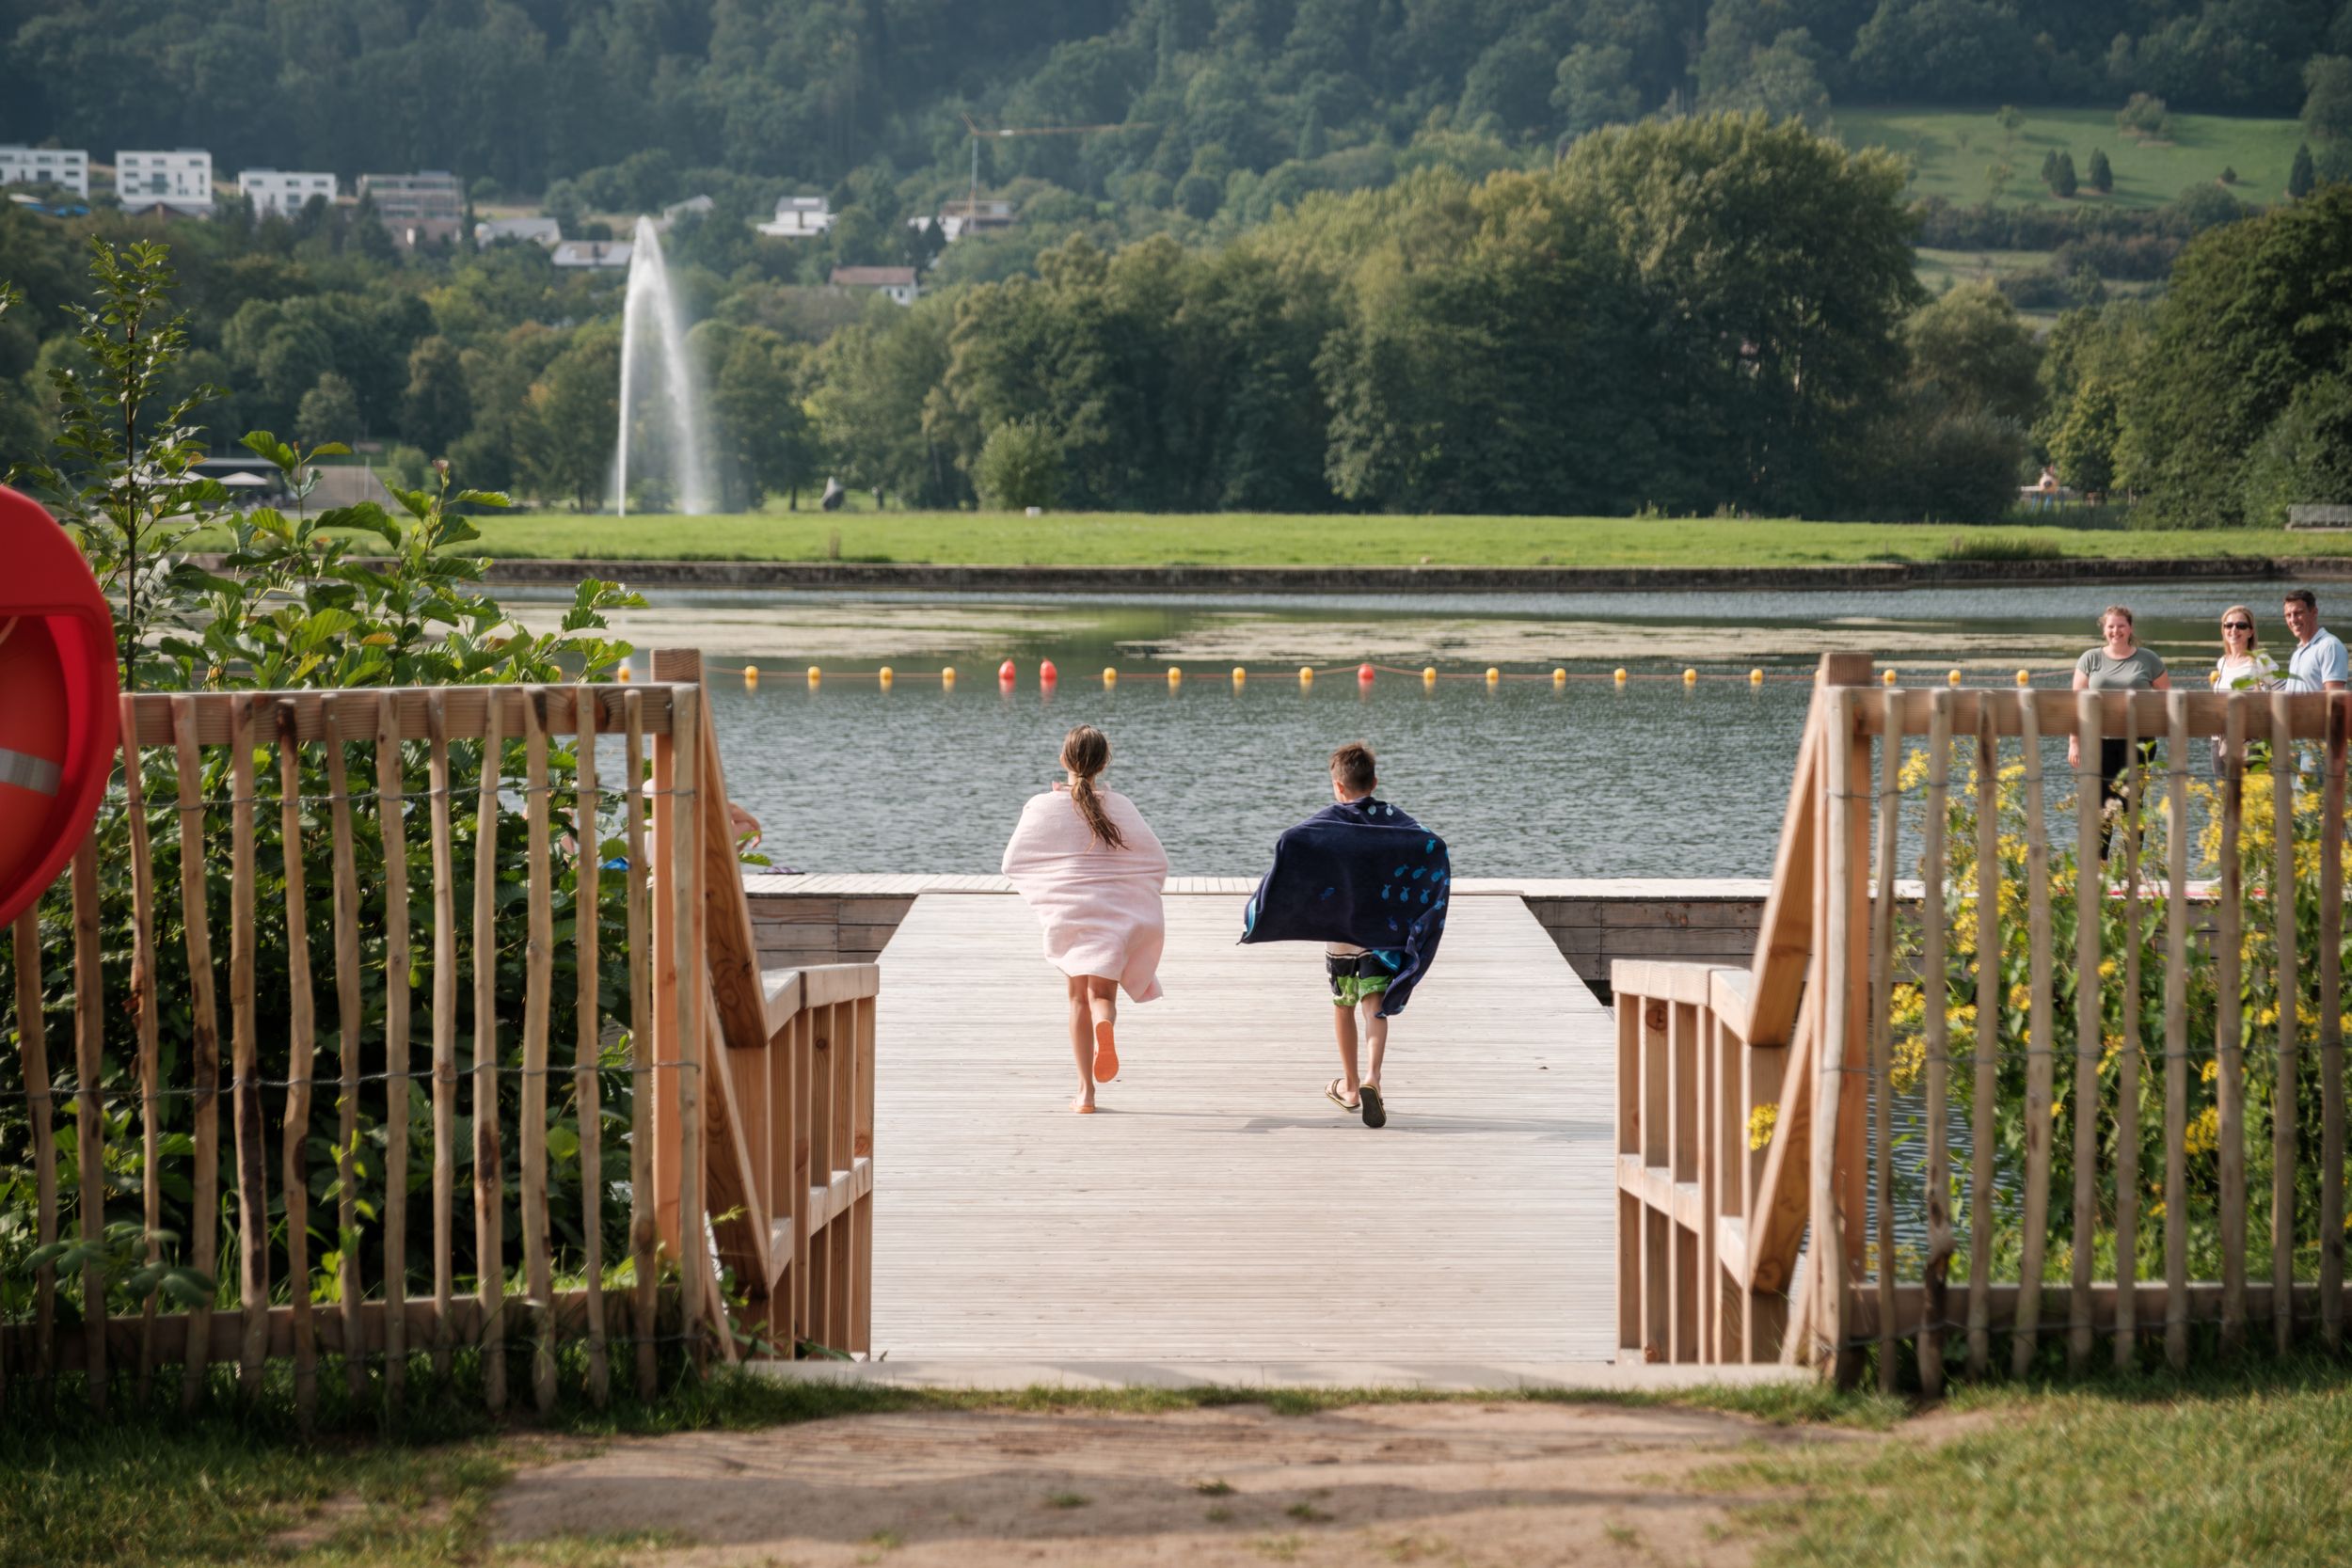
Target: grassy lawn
[(1953, 149), (1140, 539), (2244, 1467)]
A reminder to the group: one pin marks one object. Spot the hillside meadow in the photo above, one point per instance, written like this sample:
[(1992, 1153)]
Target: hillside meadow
[(1951, 151)]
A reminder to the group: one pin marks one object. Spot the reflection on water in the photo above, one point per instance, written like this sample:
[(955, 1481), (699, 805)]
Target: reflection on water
[(1652, 780)]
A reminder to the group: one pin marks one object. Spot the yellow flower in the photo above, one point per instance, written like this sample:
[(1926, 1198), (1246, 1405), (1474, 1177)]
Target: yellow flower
[(2114, 1048), (1910, 1056), (2204, 1133), (2211, 1070), (2020, 997), (1760, 1124), (2106, 969)]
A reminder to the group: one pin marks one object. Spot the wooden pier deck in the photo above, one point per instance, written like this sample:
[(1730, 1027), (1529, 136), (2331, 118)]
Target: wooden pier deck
[(1218, 1209)]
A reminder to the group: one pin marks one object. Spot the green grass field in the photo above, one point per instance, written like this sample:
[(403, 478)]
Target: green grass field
[(1152, 539), (1952, 149)]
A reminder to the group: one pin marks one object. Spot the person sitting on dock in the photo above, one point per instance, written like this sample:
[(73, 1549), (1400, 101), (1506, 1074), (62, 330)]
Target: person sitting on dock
[(1091, 868), (1378, 945)]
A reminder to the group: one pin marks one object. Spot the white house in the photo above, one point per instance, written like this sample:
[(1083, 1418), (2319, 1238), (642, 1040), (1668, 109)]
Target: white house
[(594, 253), (959, 218), (283, 193), (40, 166), (420, 209), (694, 206), (798, 218), (895, 284), (545, 232), (179, 181)]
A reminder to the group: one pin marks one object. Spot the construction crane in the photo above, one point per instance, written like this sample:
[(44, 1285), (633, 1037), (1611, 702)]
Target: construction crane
[(1006, 133)]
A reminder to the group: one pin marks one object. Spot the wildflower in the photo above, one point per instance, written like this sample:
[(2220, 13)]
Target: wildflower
[(1910, 1056), (1760, 1124), (2020, 998), (2211, 1070), (2106, 969), (2204, 1133)]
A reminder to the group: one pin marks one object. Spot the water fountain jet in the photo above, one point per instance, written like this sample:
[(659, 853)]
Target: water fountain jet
[(652, 323)]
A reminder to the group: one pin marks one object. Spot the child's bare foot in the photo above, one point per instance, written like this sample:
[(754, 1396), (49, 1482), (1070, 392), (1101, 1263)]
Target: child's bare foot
[(1083, 1105)]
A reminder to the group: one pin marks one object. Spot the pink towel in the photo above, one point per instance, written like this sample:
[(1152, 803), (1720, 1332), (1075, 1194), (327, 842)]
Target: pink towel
[(1099, 907)]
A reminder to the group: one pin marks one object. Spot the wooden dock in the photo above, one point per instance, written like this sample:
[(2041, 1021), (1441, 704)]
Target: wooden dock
[(1218, 1209)]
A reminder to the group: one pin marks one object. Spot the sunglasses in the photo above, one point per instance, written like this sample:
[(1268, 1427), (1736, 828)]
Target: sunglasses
[(2237, 625)]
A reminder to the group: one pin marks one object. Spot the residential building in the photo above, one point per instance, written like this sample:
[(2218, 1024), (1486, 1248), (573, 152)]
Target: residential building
[(177, 181), (694, 206), (543, 231), (959, 218), (798, 218), (896, 284), (594, 253), (46, 165), (284, 193), (419, 209)]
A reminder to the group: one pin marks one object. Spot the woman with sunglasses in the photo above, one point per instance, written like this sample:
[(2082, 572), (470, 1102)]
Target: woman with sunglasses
[(2242, 667)]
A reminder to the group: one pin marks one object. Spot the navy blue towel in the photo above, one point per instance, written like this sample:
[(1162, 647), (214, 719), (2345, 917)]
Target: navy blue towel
[(1363, 873)]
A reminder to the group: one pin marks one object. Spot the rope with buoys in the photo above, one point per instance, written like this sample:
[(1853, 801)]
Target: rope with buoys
[(1558, 676)]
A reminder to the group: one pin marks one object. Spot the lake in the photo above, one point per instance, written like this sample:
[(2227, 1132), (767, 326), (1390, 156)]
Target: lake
[(1651, 779)]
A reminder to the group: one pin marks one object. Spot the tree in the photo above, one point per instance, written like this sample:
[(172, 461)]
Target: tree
[(1594, 88), (2306, 454), (2301, 177), (330, 411), (1020, 465), (436, 408), (764, 435), (566, 433), (1972, 346), (2049, 168), (2062, 181), (2084, 449), (2100, 175), (2327, 98), (2144, 115)]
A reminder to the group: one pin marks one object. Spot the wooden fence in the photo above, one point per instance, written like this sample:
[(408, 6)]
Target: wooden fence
[(1771, 1204), (762, 1169)]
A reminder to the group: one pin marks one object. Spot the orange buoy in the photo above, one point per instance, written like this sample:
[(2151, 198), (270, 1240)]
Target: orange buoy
[(1110, 676), (1364, 674), (1306, 675), (1005, 671), (1046, 673)]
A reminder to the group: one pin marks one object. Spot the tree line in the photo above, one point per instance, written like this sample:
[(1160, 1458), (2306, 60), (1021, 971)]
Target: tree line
[(1714, 314)]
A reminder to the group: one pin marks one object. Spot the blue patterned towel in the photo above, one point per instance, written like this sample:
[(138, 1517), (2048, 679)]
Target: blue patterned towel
[(1363, 873)]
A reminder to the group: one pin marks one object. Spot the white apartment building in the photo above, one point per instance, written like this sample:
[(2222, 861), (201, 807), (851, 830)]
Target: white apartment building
[(283, 193), (798, 218), (181, 180), (38, 166)]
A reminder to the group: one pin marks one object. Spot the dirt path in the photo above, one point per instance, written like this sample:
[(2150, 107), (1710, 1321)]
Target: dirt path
[(1456, 1485)]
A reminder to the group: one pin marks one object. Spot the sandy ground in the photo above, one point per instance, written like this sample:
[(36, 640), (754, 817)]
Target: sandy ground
[(1461, 1485)]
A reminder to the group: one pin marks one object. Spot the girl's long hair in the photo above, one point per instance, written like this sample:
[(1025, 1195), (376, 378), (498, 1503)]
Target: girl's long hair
[(1086, 753)]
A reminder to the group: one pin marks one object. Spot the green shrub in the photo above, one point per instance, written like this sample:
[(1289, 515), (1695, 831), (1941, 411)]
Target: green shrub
[(1020, 465)]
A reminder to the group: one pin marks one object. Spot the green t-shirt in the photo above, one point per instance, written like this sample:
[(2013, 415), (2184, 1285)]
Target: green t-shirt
[(2134, 672)]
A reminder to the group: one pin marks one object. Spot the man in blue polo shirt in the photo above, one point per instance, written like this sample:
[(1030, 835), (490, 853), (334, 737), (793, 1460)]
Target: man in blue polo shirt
[(2318, 662)]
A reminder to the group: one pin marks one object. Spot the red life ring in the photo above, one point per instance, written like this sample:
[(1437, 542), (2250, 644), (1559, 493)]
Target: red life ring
[(58, 701)]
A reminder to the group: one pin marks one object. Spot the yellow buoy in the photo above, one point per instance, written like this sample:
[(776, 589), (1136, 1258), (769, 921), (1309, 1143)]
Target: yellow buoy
[(884, 674), (2024, 677), (621, 674), (1689, 677), (1620, 675), (1306, 675), (1888, 679), (1755, 677), (1175, 676), (750, 678), (947, 674), (1493, 675), (1110, 676), (814, 673), (1951, 677), (1559, 677), (1240, 674)]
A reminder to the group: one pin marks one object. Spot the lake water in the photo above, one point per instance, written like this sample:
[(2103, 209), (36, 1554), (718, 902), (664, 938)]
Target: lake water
[(1648, 780)]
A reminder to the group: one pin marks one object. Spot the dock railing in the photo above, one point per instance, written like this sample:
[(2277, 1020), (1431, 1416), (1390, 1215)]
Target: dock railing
[(491, 918), (2148, 1104)]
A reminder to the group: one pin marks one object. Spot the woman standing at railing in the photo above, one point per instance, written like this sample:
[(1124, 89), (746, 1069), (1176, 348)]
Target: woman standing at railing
[(2117, 664), (2242, 667), (1090, 866)]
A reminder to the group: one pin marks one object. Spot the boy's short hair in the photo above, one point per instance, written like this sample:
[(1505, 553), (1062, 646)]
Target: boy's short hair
[(1352, 769), (2303, 596)]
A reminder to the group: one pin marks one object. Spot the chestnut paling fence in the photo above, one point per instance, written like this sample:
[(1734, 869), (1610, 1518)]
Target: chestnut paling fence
[(2080, 1082), (502, 1079)]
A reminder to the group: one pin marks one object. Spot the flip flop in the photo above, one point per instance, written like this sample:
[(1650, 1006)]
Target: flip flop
[(1331, 1093), (1375, 1114), (1106, 1053)]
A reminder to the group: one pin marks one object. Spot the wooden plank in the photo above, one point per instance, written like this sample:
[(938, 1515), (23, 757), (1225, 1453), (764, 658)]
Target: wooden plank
[(32, 1041), (2331, 1027), (2039, 1045), (444, 1033), (301, 1051), (538, 989), (2176, 1037), (681, 853), (339, 715), (2229, 1035), (2285, 935), (143, 1004), (2205, 717), (2200, 1303), (489, 1199), (1938, 1045), (1829, 1305), (731, 952), (465, 711), (203, 1040), (2089, 1016), (243, 1069), (1784, 944), (1882, 1036), (643, 1231), (862, 1159), (391, 804), (587, 1046), (1984, 1140), (2127, 1065), (1784, 1197), (89, 1121)]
